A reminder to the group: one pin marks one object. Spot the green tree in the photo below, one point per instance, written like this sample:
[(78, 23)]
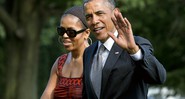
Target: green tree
[(28, 46), (162, 22), (23, 21)]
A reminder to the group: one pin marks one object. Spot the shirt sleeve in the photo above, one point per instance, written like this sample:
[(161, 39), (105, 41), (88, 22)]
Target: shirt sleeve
[(137, 56)]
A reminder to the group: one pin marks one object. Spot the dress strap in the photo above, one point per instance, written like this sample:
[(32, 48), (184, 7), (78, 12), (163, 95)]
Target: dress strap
[(61, 62)]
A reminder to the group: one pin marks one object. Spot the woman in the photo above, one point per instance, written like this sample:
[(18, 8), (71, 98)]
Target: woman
[(65, 80)]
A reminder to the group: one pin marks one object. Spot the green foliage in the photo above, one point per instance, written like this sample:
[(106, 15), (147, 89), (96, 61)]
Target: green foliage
[(2, 32), (49, 31), (176, 80), (160, 21), (2, 58)]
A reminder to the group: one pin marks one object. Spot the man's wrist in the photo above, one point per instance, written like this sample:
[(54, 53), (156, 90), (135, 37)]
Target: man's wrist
[(134, 50), (137, 56)]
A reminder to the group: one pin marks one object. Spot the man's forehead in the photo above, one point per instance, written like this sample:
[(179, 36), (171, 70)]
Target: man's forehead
[(93, 0), (96, 6)]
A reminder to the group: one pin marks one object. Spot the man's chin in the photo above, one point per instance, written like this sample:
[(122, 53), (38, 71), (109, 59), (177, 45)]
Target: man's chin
[(101, 38)]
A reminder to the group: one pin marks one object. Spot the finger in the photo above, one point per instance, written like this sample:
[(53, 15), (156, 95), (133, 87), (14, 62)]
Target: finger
[(114, 18), (121, 21), (115, 22), (127, 22)]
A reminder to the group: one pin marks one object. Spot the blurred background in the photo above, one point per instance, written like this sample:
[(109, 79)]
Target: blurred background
[(29, 46)]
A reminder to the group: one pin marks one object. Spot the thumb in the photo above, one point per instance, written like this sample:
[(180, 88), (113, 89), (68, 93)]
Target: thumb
[(112, 36)]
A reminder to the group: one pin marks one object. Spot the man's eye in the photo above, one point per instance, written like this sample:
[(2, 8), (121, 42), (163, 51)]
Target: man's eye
[(88, 17), (99, 13)]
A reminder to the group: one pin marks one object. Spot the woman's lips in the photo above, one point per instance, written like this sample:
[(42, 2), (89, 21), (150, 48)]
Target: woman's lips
[(66, 43)]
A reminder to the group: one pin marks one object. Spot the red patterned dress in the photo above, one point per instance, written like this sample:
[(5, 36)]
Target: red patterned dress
[(67, 88)]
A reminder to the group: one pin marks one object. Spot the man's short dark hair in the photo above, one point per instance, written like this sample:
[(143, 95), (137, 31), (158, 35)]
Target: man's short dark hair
[(112, 2)]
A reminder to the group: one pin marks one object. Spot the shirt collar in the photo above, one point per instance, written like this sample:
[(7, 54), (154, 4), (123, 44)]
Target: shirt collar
[(109, 42)]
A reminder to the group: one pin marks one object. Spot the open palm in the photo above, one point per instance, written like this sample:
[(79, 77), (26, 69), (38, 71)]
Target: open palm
[(125, 37)]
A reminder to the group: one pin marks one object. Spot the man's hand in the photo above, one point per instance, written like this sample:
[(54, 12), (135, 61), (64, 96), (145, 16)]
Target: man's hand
[(125, 37)]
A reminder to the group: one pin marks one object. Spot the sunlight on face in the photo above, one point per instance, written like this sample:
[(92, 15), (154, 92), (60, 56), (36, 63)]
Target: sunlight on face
[(71, 22), (98, 15)]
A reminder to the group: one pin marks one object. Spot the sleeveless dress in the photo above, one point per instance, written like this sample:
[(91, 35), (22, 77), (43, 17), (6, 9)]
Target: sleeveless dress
[(67, 88)]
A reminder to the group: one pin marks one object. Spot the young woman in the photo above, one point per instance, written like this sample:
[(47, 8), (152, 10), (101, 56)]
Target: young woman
[(65, 80)]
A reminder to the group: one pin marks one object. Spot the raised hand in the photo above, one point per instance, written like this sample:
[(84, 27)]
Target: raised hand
[(125, 37)]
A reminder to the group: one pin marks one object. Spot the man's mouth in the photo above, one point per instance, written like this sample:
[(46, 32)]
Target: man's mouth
[(97, 29)]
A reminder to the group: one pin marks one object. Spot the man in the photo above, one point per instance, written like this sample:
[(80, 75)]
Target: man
[(127, 65)]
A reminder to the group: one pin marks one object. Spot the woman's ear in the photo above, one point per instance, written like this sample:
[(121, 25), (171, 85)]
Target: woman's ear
[(87, 33)]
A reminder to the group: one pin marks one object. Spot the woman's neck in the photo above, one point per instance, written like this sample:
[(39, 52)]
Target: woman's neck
[(76, 54)]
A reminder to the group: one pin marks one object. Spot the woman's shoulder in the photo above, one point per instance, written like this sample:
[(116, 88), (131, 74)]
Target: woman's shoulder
[(62, 57), (61, 60)]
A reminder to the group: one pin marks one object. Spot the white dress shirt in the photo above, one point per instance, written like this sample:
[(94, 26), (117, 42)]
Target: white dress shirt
[(108, 45)]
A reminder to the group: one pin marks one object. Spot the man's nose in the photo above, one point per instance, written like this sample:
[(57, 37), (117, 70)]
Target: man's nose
[(95, 20)]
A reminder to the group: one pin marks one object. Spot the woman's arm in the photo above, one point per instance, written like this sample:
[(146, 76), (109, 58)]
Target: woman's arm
[(48, 92)]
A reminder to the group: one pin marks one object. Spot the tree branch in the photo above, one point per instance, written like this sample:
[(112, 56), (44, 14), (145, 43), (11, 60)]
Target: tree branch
[(7, 21)]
